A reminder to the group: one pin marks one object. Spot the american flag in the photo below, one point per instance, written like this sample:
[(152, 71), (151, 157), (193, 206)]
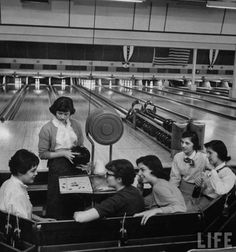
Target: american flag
[(171, 56)]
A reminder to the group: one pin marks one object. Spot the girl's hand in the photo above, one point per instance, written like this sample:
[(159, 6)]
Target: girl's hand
[(69, 155), (147, 214), (209, 167)]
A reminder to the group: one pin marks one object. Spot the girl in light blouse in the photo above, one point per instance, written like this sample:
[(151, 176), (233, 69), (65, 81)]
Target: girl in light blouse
[(165, 197), (218, 179), (56, 139), (14, 198), (187, 165)]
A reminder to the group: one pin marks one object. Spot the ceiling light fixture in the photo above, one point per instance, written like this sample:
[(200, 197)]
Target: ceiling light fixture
[(222, 4)]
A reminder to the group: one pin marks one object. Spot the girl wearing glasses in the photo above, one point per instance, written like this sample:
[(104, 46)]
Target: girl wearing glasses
[(187, 165), (126, 201), (165, 197)]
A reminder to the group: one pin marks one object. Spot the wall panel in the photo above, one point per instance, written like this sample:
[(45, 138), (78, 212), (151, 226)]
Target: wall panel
[(114, 15), (194, 20), (53, 14), (229, 26), (118, 24), (142, 16), (82, 13), (158, 16)]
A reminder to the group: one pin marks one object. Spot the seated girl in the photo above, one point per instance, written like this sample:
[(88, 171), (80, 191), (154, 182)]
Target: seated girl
[(14, 197), (165, 197), (218, 179), (187, 165), (126, 201)]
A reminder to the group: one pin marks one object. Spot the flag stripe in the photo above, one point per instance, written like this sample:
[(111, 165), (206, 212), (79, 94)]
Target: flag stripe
[(175, 57)]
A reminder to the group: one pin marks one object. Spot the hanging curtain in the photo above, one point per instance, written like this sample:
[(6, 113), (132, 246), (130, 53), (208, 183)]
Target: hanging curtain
[(213, 53), (127, 53)]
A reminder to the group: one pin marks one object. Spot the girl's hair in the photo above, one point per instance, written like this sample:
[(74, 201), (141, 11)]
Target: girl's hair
[(219, 147), (155, 165), (22, 161), (194, 139), (122, 168), (63, 104)]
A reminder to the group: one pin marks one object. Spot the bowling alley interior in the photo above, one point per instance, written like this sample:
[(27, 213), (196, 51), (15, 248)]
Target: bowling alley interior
[(139, 74)]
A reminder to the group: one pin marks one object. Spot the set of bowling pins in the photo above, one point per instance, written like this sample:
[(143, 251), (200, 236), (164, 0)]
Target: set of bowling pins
[(126, 83), (37, 84), (18, 83), (90, 84)]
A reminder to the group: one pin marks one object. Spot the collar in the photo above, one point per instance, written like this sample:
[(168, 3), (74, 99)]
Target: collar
[(220, 166), (58, 123), (18, 181), (192, 156)]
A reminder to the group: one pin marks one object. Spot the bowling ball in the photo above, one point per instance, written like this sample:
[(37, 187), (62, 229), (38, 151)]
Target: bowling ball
[(83, 156)]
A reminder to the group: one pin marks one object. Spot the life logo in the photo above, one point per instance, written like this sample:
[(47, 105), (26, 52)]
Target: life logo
[(214, 240)]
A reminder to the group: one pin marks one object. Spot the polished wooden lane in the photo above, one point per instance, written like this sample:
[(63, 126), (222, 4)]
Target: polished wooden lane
[(132, 144), (5, 94), (22, 132), (216, 127), (35, 106)]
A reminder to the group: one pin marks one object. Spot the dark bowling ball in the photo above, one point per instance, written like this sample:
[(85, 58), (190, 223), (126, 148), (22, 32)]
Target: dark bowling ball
[(146, 126), (165, 123), (139, 122), (162, 136), (158, 135), (165, 140), (152, 131), (83, 157), (149, 112), (156, 132), (130, 118)]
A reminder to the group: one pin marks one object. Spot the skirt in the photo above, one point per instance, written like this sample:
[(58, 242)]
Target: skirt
[(61, 206)]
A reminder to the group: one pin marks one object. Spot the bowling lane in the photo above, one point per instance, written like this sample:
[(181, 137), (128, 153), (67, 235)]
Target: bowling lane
[(202, 97), (216, 127), (132, 144), (171, 105), (184, 100), (6, 93), (126, 102), (23, 131), (35, 105)]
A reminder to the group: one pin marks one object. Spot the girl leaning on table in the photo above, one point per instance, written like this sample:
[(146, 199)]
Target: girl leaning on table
[(164, 197)]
